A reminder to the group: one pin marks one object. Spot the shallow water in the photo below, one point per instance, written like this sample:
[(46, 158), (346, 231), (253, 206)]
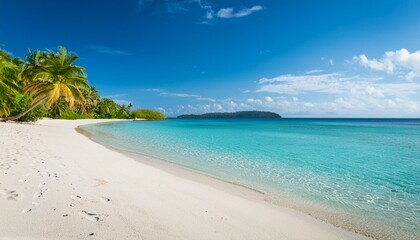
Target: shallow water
[(363, 172)]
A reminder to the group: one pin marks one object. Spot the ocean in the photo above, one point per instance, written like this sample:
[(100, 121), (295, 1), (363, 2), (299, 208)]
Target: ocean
[(359, 174)]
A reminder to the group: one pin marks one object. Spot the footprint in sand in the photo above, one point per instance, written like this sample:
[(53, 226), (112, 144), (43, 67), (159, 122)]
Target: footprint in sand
[(104, 199), (9, 194), (36, 162), (26, 210), (93, 217), (23, 179), (42, 190), (15, 161), (100, 182), (48, 175), (5, 166), (99, 199), (75, 197)]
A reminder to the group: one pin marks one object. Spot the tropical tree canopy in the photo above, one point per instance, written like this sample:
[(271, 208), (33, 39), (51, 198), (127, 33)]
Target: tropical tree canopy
[(49, 84), (9, 78), (53, 74)]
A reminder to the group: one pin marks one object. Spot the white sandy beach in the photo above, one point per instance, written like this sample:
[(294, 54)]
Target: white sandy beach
[(56, 183)]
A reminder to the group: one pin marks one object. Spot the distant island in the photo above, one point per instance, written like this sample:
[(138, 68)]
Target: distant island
[(241, 114)]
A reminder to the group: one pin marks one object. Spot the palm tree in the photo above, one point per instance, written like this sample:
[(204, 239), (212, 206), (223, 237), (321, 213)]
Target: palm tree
[(106, 108), (124, 111), (92, 100), (50, 75), (9, 81)]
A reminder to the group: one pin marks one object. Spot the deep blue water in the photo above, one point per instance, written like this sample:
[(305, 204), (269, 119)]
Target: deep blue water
[(365, 169)]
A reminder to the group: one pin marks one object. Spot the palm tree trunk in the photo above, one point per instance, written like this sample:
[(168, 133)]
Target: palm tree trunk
[(13, 118)]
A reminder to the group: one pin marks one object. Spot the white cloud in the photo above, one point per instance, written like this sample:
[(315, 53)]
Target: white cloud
[(179, 94), (314, 71), (353, 105), (160, 109), (225, 13), (298, 84), (218, 107), (206, 99), (269, 99), (173, 6), (363, 103), (230, 12), (232, 104), (375, 65), (299, 78), (374, 92), (253, 100), (163, 92), (337, 94), (107, 50), (401, 62), (336, 84), (203, 4), (209, 15), (330, 60), (247, 11), (154, 90)]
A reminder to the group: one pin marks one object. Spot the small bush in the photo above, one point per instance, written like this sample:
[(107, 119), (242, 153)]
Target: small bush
[(21, 103), (148, 114), (69, 115)]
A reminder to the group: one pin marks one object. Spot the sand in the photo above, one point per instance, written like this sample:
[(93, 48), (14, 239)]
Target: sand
[(56, 183)]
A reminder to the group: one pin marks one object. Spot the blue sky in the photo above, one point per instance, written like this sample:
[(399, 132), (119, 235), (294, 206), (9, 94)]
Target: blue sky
[(297, 58)]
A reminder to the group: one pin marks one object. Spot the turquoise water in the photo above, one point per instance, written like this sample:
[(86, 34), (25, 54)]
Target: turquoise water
[(356, 173)]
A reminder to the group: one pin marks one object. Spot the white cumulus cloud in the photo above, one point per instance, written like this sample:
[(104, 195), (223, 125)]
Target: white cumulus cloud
[(298, 84), (400, 62), (231, 13)]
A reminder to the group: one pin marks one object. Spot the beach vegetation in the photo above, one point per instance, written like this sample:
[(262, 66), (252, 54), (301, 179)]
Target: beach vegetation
[(70, 115), (23, 101), (50, 84), (107, 108), (9, 81), (148, 114)]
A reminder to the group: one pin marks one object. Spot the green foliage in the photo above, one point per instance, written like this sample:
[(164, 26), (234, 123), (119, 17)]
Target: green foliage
[(124, 112), (9, 81), (58, 108), (74, 115), (38, 112), (92, 99), (106, 108), (22, 102), (53, 75), (148, 114), (48, 84)]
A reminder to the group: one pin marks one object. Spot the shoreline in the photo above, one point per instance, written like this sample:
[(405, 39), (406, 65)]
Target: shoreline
[(339, 219), (177, 169), (83, 187)]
